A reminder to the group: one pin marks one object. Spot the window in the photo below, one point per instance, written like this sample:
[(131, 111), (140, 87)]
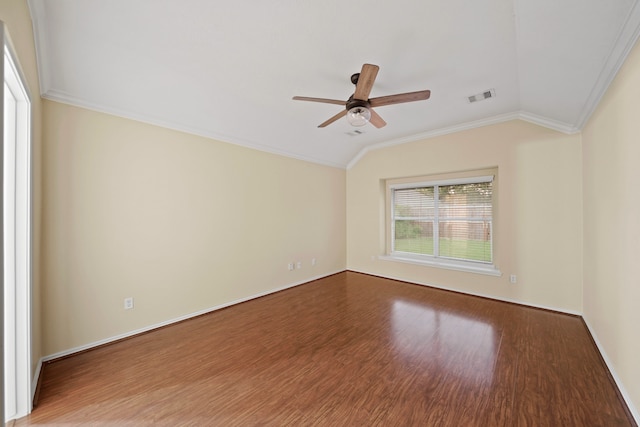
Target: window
[(444, 221)]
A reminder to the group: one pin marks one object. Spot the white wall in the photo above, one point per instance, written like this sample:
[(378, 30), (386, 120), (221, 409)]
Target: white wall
[(538, 218), (178, 222), (611, 143)]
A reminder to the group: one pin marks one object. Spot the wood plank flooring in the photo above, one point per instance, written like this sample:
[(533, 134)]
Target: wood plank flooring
[(346, 350)]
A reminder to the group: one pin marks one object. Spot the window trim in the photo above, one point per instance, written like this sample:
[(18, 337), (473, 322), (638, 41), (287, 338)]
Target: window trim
[(457, 178)]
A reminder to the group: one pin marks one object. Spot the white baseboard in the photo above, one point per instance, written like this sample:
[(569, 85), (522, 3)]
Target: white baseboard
[(98, 343), (616, 378), (34, 382), (474, 294), (618, 381), (71, 351)]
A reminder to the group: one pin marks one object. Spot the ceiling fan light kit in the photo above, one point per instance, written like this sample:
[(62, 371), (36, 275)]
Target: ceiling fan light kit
[(358, 116), (358, 108)]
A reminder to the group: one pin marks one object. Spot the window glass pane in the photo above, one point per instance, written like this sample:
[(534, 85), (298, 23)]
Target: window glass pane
[(414, 213), (465, 226), (460, 240), (414, 236), (414, 202)]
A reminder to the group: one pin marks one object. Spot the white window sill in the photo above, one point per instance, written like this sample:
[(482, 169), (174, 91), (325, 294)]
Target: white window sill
[(470, 267)]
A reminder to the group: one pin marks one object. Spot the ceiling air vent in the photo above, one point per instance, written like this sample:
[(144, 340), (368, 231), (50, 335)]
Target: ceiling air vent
[(355, 132), (491, 93)]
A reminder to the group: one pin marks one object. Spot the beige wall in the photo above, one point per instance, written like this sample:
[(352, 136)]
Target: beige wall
[(611, 143), (179, 222), (15, 14), (538, 226)]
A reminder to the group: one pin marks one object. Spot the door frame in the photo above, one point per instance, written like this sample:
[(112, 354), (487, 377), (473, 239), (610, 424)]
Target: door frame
[(21, 189)]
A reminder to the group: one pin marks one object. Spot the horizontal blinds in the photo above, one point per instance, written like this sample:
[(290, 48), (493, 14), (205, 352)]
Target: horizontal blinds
[(456, 224), (414, 218), (465, 221)]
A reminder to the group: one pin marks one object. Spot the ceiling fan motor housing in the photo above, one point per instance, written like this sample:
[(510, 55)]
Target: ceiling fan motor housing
[(351, 103)]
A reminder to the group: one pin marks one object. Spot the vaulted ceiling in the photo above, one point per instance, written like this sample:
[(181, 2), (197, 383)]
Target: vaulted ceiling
[(228, 69)]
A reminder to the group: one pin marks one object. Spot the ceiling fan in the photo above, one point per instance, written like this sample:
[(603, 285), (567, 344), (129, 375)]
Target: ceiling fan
[(359, 108)]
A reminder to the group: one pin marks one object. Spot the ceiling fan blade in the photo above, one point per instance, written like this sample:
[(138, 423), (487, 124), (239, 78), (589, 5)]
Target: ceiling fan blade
[(365, 81), (324, 100), (333, 119), (400, 98), (376, 120)]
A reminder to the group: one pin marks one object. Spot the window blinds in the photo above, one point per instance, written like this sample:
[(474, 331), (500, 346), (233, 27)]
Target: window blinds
[(448, 220)]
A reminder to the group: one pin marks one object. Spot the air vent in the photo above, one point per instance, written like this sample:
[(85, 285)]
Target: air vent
[(491, 93), (355, 132)]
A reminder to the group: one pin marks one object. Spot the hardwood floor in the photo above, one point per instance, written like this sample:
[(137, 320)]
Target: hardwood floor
[(347, 350)]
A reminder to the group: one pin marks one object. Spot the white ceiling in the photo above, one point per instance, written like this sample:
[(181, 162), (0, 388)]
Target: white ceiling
[(228, 69)]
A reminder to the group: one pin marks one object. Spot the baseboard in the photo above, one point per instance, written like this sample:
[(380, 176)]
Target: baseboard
[(474, 294), (618, 382), (72, 351), (623, 393), (38, 372), (35, 384)]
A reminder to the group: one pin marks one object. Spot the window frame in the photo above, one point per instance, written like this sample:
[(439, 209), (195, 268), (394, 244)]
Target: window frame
[(458, 178)]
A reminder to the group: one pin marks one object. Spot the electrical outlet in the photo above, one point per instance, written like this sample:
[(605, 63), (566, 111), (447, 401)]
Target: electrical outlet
[(291, 266), (299, 265), (513, 278), (128, 303)]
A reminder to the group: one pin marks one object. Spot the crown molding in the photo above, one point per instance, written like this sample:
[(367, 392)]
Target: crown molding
[(548, 123), (63, 98), (625, 41), (520, 115), (39, 24)]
